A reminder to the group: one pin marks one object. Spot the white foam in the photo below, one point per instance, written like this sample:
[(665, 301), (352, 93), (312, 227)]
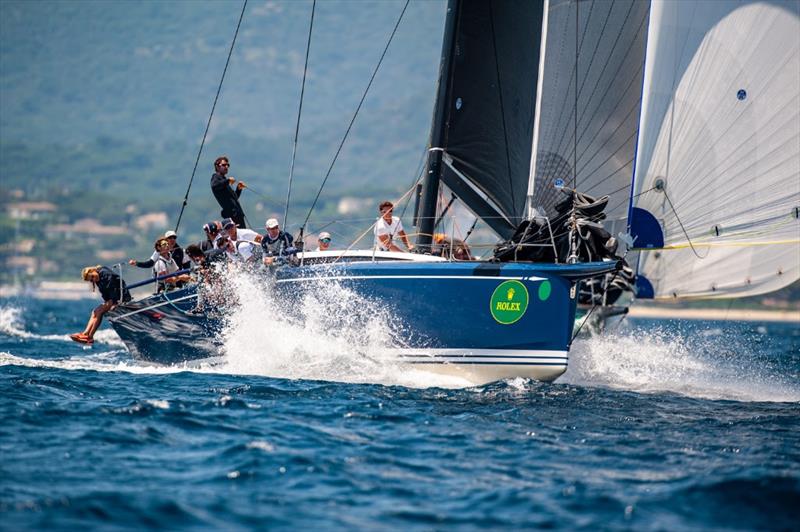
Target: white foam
[(330, 334), (105, 361), (654, 360), (12, 324)]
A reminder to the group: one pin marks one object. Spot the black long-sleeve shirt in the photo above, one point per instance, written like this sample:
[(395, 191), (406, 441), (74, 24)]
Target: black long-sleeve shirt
[(228, 199), (109, 285)]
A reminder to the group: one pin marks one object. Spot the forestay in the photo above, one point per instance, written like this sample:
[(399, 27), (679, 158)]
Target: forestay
[(718, 165)]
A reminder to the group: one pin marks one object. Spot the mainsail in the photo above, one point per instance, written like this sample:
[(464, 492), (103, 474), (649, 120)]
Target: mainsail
[(483, 127), (717, 184)]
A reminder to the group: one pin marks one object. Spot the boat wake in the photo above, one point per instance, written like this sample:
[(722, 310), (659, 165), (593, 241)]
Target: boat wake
[(333, 335), (703, 364)]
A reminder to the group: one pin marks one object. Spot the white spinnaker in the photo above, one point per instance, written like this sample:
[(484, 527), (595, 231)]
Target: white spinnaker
[(720, 128)]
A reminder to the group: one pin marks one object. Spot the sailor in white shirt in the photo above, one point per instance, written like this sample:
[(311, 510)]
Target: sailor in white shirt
[(388, 229), (165, 265), (245, 241)]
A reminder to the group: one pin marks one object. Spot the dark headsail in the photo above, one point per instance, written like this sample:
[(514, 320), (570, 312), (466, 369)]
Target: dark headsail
[(601, 56), (485, 110)]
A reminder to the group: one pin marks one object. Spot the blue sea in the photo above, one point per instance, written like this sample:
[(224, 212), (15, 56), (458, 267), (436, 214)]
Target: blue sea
[(657, 425)]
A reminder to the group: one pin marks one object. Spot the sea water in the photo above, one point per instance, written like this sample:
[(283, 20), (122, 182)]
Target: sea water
[(656, 425)]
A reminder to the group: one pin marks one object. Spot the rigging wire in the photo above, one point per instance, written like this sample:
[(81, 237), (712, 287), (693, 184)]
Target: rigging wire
[(352, 121), (575, 122), (299, 113), (418, 175), (266, 198), (689, 240), (210, 116)]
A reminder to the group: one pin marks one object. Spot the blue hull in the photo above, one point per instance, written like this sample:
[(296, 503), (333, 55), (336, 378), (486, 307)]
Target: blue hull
[(163, 329), (483, 321)]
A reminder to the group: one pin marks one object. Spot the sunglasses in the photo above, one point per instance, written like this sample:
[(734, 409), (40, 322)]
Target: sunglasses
[(224, 164), (326, 240)]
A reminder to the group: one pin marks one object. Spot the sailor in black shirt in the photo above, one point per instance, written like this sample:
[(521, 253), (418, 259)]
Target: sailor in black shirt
[(112, 290), (227, 197)]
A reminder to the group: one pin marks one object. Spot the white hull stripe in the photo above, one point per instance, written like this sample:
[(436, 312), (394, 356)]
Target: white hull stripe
[(151, 307), (499, 352), (521, 357), (460, 277), (562, 364), (459, 357)]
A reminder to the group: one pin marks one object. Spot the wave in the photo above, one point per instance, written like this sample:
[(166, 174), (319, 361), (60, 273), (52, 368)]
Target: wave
[(703, 364), (334, 335), (107, 361), (330, 334), (12, 324)]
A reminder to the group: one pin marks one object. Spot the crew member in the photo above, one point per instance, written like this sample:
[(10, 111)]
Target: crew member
[(276, 243), (227, 197), (324, 241), (211, 229), (175, 251), (112, 290), (166, 265), (389, 227), (245, 241)]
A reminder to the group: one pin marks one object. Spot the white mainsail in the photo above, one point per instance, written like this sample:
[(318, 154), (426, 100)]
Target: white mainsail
[(718, 158)]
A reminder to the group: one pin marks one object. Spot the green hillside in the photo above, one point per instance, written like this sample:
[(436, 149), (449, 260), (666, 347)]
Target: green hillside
[(103, 105)]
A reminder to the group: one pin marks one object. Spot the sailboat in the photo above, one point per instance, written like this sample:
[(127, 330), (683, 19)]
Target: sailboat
[(708, 125), (483, 320), (716, 198)]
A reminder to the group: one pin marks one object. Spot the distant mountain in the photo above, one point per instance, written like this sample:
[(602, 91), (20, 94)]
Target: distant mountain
[(103, 105), (144, 75)]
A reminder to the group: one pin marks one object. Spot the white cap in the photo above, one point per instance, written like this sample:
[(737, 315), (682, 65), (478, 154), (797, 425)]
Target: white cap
[(324, 234), (169, 234), (272, 223)]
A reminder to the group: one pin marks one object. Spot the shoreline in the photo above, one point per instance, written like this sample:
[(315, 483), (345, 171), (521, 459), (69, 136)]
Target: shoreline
[(73, 291), (716, 314)]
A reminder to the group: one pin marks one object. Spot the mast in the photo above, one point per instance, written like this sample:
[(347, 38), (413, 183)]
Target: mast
[(430, 185), (537, 113)]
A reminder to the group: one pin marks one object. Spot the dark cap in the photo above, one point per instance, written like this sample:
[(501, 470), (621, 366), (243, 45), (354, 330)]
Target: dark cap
[(210, 227), (227, 222)]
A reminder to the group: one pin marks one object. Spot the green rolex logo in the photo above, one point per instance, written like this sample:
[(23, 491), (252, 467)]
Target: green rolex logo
[(509, 302)]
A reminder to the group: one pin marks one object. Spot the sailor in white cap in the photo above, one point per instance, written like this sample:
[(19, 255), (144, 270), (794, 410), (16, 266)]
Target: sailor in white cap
[(176, 251), (181, 259), (324, 241), (275, 243), (243, 241)]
